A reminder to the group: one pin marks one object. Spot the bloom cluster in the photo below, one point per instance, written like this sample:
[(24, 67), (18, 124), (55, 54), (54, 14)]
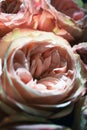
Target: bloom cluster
[(42, 70)]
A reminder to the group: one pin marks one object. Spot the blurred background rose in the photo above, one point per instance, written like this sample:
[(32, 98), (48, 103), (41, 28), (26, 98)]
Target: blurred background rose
[(13, 14)]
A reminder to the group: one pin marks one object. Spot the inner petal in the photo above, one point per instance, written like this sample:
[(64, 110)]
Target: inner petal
[(24, 75), (50, 66), (20, 60)]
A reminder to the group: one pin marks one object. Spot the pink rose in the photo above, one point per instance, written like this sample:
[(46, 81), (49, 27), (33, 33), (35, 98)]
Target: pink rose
[(38, 15), (13, 14), (40, 70), (69, 7)]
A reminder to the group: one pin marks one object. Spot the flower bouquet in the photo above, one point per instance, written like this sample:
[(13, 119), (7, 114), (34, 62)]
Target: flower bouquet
[(42, 77)]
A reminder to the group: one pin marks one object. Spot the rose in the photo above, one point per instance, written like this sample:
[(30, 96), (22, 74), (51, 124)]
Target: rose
[(38, 15), (71, 9), (75, 12), (81, 49), (47, 18), (13, 14), (40, 72)]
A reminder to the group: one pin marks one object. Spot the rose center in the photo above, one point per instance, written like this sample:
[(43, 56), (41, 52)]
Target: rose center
[(10, 6), (42, 61)]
